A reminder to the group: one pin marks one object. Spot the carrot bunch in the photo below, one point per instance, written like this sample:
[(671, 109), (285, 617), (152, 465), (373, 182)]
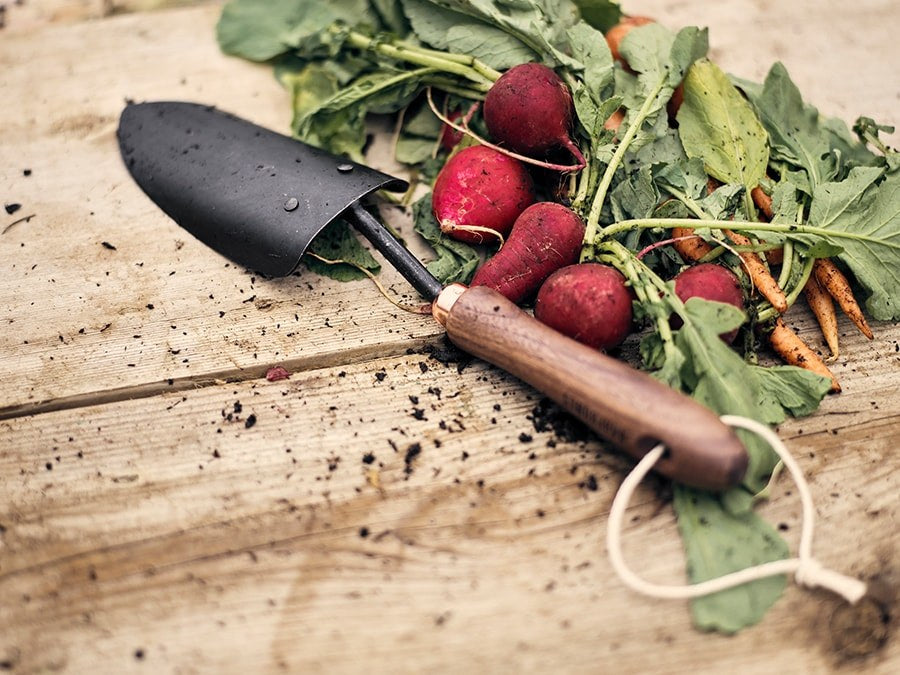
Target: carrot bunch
[(826, 285)]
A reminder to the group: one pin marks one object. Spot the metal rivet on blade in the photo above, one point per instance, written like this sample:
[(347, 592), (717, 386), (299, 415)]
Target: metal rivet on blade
[(291, 204), (345, 168)]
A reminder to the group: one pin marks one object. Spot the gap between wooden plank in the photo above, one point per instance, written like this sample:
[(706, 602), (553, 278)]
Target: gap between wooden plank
[(349, 357)]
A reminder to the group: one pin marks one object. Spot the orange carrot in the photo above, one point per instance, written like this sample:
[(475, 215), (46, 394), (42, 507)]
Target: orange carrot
[(763, 201), (796, 352), (834, 281), (614, 121), (820, 303), (674, 104), (759, 275), (690, 246)]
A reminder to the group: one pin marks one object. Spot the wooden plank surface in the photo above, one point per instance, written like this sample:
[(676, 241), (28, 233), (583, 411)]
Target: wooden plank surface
[(92, 330), (319, 538), (82, 318), (384, 511)]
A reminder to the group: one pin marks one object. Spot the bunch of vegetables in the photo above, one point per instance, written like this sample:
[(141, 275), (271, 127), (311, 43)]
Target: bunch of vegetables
[(616, 177)]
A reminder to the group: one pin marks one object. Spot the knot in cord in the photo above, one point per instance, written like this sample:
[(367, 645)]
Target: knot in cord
[(809, 573), (812, 574)]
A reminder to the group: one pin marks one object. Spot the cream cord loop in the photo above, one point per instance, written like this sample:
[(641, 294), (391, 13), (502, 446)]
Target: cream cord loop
[(806, 569)]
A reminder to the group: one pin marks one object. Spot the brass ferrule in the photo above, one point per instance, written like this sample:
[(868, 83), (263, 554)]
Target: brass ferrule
[(443, 303)]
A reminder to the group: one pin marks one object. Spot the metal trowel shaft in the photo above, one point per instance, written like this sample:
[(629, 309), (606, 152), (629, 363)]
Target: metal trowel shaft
[(395, 253)]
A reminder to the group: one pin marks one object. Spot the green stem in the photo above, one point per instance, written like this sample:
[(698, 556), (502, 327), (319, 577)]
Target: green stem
[(749, 205), (876, 142), (715, 252), (453, 87), (743, 225), (795, 292), (459, 64), (419, 73), (766, 492), (583, 184), (788, 254), (787, 261), (739, 248), (593, 219), (647, 286)]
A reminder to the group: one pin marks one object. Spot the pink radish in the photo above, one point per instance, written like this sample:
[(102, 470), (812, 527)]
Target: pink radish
[(450, 136), (545, 237), (710, 282), (589, 302), (479, 193), (529, 110)]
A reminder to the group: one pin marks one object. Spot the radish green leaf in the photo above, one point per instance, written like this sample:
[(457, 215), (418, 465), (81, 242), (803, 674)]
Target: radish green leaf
[(455, 261), (718, 542), (718, 126), (445, 28)]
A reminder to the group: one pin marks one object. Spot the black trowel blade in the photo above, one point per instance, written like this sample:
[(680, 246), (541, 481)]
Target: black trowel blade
[(257, 197)]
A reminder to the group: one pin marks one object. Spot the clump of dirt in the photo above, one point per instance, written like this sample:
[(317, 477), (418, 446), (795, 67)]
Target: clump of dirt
[(448, 354), (548, 416), (412, 452)]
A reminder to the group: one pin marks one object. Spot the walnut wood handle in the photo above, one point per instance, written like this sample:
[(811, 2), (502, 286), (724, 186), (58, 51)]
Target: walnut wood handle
[(622, 404)]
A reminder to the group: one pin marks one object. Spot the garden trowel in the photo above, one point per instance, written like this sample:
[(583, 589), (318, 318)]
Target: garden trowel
[(260, 198)]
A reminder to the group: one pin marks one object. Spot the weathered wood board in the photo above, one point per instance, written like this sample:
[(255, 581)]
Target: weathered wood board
[(85, 318), (409, 527), (382, 509)]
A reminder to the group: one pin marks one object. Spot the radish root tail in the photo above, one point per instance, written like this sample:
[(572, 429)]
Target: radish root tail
[(412, 309), (448, 228)]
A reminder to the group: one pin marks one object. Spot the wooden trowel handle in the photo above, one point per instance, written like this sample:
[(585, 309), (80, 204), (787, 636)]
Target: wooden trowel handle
[(624, 405)]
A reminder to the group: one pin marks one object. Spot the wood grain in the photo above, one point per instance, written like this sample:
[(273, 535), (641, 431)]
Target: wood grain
[(390, 510), (167, 525)]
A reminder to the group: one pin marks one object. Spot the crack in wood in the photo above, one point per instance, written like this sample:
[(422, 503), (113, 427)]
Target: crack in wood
[(347, 357)]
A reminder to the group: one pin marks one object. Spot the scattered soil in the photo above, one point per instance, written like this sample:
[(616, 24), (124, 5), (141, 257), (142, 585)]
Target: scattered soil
[(448, 354), (548, 416)]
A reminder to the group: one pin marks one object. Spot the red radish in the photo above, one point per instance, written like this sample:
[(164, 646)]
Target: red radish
[(544, 238), (589, 302), (450, 137), (615, 35), (529, 110), (674, 104), (710, 282), (479, 193)]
